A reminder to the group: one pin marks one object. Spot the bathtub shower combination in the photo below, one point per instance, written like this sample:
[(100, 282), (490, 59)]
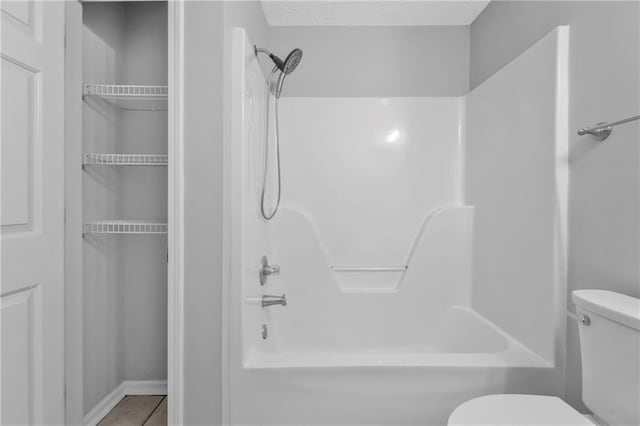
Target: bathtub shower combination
[(417, 258)]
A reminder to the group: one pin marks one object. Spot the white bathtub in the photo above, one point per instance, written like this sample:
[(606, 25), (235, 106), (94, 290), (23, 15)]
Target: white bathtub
[(461, 338), (403, 385)]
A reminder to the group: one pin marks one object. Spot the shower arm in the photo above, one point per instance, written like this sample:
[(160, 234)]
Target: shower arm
[(257, 50), (277, 61), (275, 91)]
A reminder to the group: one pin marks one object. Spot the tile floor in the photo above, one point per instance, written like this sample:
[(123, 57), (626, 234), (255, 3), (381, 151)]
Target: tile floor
[(138, 410)]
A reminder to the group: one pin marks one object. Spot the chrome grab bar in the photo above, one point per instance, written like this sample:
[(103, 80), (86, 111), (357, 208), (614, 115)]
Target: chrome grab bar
[(603, 130), (268, 300), (398, 268)]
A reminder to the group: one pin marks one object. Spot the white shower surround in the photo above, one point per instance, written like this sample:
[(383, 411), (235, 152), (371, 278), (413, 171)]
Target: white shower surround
[(378, 347)]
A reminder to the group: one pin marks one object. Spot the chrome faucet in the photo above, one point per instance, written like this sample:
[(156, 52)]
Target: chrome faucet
[(267, 270), (268, 300)]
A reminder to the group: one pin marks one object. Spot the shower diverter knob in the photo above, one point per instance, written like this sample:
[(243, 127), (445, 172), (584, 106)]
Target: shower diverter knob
[(266, 270)]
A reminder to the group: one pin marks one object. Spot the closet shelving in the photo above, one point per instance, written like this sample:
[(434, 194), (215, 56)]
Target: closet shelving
[(125, 227), (127, 97), (130, 96), (125, 159)]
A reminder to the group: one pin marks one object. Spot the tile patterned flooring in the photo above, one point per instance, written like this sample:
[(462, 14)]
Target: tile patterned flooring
[(138, 410)]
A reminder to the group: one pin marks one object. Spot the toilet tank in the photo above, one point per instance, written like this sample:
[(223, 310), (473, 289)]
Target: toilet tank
[(610, 348)]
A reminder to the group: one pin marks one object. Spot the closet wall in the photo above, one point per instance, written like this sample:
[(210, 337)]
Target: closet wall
[(124, 276), (102, 59), (145, 198)]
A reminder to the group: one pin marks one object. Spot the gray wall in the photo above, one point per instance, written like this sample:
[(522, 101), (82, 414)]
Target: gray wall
[(248, 15), (103, 42), (604, 186), (207, 28), (203, 211), (375, 61), (144, 195)]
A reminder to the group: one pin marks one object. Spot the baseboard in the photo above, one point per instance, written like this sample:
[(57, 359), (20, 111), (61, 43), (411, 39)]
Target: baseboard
[(127, 387), (97, 413), (145, 387)]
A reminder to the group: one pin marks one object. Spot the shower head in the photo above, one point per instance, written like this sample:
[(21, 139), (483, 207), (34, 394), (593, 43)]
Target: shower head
[(291, 61), (288, 65)]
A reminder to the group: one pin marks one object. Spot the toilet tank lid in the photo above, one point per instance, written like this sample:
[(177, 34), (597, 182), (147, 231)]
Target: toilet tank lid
[(617, 307)]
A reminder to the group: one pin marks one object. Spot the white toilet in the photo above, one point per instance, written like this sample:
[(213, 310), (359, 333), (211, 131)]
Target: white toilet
[(610, 346)]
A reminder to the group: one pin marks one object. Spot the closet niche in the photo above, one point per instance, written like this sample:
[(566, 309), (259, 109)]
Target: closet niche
[(124, 185)]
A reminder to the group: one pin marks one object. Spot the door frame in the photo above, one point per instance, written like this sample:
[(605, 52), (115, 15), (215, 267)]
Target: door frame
[(73, 215), (175, 237), (73, 292)]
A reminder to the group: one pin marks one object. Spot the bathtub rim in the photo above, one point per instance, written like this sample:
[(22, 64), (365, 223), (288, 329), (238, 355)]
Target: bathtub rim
[(516, 355)]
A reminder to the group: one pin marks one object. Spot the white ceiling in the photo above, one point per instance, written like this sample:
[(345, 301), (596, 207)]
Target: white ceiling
[(372, 12)]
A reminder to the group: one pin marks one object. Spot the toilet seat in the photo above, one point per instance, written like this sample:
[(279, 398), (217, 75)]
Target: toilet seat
[(513, 409)]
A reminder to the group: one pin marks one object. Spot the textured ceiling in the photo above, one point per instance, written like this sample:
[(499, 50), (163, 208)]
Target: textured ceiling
[(372, 12)]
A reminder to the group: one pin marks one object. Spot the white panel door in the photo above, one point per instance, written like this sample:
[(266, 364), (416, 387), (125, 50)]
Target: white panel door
[(32, 212)]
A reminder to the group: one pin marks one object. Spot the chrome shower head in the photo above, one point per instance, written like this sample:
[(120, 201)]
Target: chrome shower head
[(292, 61), (288, 65)]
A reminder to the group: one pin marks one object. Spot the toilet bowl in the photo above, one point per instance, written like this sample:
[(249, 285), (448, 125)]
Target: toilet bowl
[(610, 349)]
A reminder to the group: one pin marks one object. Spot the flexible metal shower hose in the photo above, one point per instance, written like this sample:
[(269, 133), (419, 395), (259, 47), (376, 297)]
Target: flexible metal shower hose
[(266, 153)]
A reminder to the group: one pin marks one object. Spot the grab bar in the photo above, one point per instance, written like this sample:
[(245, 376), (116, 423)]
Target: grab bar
[(603, 130), (369, 268)]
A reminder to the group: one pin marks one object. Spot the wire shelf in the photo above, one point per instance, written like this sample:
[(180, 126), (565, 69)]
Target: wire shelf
[(125, 227), (130, 97), (126, 159)]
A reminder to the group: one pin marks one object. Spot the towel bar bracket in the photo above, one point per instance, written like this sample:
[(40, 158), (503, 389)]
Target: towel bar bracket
[(603, 130)]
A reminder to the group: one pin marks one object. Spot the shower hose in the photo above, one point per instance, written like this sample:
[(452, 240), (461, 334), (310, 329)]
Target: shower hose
[(263, 210)]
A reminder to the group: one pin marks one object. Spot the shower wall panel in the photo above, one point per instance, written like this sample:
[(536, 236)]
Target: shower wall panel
[(248, 173), (371, 220), (367, 171), (517, 177)]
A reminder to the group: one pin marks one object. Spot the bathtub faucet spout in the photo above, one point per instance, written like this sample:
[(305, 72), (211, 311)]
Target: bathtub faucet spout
[(268, 300)]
